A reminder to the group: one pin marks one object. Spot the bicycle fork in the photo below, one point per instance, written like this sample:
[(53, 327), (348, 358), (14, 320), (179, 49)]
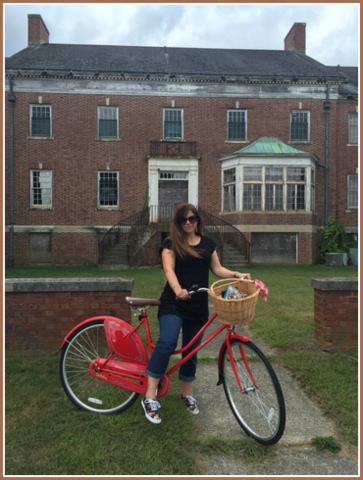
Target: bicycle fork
[(227, 344)]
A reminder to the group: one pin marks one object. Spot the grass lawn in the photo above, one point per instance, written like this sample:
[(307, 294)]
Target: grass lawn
[(46, 435)]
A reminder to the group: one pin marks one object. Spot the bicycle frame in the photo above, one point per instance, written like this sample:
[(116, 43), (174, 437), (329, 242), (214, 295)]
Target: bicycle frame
[(125, 366)]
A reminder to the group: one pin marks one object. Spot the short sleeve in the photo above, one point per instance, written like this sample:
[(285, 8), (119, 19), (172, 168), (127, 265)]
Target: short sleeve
[(166, 244)]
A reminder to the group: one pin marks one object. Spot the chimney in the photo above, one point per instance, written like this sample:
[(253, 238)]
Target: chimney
[(295, 39), (37, 31)]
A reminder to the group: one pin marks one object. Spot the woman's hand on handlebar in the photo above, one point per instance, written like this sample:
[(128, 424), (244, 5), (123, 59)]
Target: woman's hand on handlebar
[(243, 276), (183, 294)]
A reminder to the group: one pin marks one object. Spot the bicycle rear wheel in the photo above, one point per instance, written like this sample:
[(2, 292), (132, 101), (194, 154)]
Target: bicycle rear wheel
[(85, 391), (260, 408)]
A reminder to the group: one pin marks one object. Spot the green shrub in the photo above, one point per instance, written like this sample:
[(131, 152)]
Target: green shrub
[(333, 239)]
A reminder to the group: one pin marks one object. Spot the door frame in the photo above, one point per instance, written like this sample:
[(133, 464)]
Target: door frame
[(157, 165)]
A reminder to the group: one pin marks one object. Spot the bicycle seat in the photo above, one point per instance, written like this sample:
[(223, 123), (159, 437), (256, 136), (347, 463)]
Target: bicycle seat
[(142, 302)]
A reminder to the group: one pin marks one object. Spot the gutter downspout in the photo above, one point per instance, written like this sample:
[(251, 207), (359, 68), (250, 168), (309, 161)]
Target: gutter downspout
[(11, 99), (327, 105)]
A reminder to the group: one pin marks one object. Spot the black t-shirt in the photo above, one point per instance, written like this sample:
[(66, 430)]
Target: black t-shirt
[(192, 273)]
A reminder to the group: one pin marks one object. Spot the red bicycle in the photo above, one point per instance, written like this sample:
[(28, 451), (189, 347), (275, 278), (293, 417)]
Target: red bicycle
[(103, 370)]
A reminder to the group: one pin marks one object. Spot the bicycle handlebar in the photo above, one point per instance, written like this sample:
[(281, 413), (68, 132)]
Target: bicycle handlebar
[(202, 289)]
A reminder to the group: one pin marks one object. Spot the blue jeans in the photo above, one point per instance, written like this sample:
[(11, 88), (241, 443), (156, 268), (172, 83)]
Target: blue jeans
[(170, 326)]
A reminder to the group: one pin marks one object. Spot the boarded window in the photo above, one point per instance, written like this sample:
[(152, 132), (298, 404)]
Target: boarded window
[(273, 248), (40, 247)]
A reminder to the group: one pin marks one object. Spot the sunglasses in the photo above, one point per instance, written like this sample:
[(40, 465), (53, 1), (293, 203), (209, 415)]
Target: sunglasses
[(191, 219)]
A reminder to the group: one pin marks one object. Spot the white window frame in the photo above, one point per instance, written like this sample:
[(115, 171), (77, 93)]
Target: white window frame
[(353, 192), (99, 176), (174, 138), (230, 112), (101, 110), (229, 191), (37, 106), (260, 182), (299, 140), (44, 192), (352, 128)]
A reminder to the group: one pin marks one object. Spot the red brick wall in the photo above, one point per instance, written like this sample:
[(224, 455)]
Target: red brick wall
[(37, 31), (75, 163), (75, 157), (37, 321), (336, 314), (346, 164)]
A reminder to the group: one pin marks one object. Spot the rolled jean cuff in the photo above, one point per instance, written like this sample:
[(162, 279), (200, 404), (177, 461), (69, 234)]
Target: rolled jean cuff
[(154, 375), (186, 379)]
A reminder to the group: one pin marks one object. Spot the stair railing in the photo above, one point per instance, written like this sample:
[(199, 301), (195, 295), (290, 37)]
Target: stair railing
[(222, 231), (125, 229), (134, 228)]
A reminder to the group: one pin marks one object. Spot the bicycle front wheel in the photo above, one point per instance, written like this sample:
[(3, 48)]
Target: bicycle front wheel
[(259, 407), (85, 391)]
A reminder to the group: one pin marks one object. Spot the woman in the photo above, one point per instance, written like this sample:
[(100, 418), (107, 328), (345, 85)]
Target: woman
[(187, 256)]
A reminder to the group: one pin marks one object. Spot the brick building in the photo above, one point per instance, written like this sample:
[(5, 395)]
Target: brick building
[(264, 142)]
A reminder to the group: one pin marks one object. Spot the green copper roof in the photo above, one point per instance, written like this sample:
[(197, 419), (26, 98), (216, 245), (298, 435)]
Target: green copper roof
[(269, 145)]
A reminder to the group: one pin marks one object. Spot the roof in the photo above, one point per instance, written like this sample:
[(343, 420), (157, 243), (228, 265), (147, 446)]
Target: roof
[(167, 61), (350, 85), (269, 146)]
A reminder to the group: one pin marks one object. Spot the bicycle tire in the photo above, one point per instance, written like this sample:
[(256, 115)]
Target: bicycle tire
[(260, 411), (86, 392)]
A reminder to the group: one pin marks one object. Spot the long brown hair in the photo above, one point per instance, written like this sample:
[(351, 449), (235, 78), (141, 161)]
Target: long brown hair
[(177, 236)]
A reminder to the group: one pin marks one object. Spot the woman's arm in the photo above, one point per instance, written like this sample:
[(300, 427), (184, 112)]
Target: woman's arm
[(223, 272), (168, 261)]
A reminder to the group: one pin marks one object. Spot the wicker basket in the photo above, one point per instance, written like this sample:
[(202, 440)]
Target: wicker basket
[(238, 311)]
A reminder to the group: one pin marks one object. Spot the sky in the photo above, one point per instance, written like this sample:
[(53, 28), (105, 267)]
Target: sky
[(332, 29)]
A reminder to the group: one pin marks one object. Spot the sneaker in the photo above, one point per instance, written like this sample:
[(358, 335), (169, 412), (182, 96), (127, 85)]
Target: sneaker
[(191, 404), (151, 409)]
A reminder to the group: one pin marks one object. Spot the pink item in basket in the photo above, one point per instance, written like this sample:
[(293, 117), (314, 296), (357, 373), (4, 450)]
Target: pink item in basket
[(263, 289)]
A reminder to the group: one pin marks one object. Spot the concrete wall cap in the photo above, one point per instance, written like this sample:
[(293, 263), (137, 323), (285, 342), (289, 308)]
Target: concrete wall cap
[(68, 285), (335, 283)]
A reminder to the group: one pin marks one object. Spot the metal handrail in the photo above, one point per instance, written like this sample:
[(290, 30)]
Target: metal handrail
[(134, 228), (227, 233), (121, 230)]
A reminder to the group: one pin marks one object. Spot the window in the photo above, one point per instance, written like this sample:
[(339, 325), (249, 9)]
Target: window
[(107, 122), (41, 189), (236, 120), (269, 188), (229, 190), (312, 191), (108, 189), (353, 128), (300, 126), (296, 189), (252, 188), (274, 188), (40, 120), (173, 124), (352, 191)]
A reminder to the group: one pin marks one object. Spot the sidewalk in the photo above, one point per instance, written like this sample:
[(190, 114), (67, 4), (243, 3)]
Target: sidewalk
[(304, 421)]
